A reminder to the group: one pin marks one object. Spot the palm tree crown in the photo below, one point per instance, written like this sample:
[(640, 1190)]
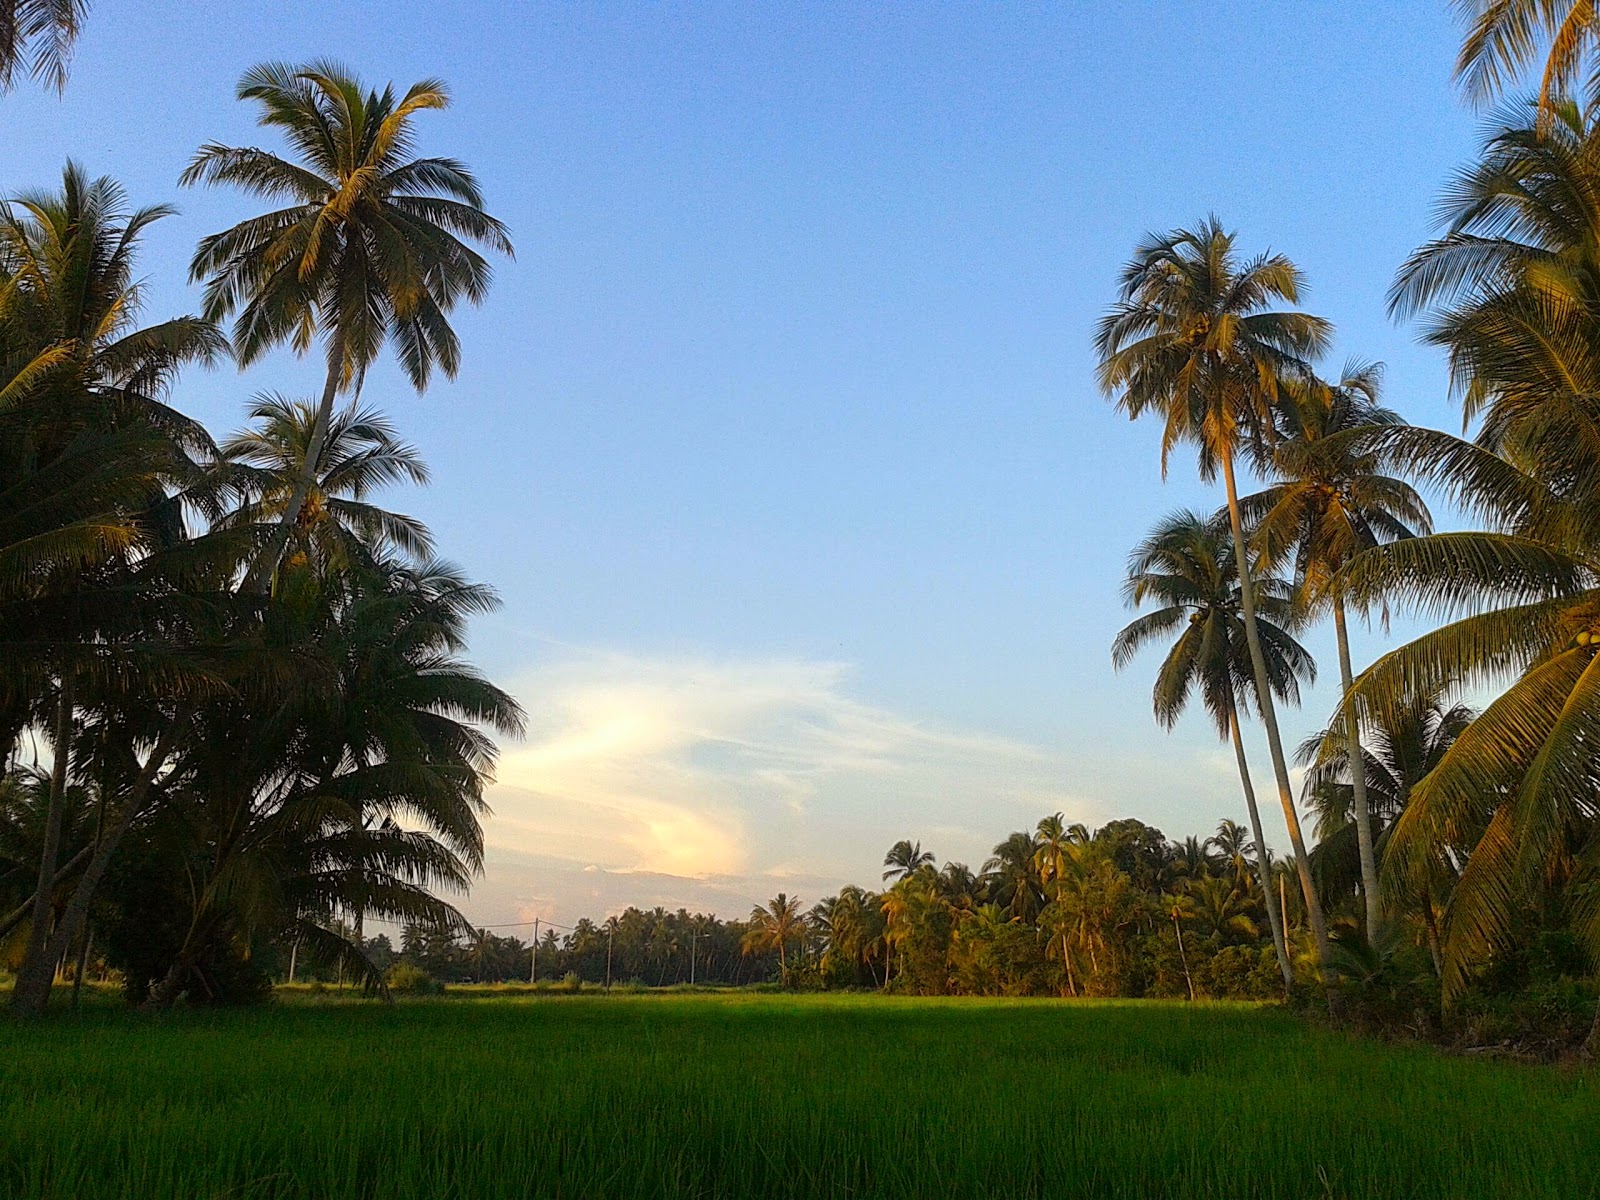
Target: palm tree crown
[(36, 38), (1186, 567), (360, 454), (369, 245), (1504, 38)]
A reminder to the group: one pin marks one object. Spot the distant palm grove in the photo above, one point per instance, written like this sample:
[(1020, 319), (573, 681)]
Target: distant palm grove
[(242, 734)]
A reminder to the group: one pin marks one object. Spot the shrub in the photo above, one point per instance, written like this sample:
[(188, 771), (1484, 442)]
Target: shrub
[(408, 979)]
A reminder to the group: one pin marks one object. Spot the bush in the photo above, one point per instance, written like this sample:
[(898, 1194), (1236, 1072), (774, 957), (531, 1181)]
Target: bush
[(1242, 973), (408, 979), (1545, 1020), (572, 981)]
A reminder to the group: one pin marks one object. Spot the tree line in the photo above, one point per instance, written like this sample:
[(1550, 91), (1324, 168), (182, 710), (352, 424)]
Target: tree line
[(1060, 910)]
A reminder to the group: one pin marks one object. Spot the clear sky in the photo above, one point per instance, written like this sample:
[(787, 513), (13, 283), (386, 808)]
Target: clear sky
[(780, 437)]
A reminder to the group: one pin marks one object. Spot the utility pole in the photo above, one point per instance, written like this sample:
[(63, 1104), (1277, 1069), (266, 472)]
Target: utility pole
[(610, 929), (533, 964), (694, 933)]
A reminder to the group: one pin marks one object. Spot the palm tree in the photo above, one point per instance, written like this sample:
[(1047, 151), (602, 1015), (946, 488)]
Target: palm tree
[(773, 927), (370, 247), (1513, 289), (1334, 501), (962, 889), (89, 458), (1193, 341), (36, 38), (353, 788), (1187, 566), (904, 859), (1400, 752), (361, 453), (1221, 908), (1013, 876), (1232, 844), (1057, 845), (1504, 38)]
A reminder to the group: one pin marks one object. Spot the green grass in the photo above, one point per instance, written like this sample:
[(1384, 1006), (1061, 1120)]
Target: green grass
[(751, 1096)]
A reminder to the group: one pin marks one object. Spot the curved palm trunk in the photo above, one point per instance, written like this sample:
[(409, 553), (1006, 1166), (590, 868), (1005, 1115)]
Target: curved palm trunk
[(260, 578), (32, 988), (1269, 718), (1358, 785), (1274, 918), (32, 991), (18, 915), (1188, 983)]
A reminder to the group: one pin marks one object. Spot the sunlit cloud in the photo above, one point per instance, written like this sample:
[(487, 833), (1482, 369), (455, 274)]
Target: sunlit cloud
[(747, 776)]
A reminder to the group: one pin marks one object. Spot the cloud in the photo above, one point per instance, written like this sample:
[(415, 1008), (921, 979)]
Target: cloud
[(746, 777)]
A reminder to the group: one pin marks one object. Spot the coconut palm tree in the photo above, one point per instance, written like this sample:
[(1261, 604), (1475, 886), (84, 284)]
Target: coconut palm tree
[(1333, 501), (1513, 290), (773, 927), (1400, 751), (1014, 881), (1232, 842), (372, 244), (337, 526), (1505, 37), (1221, 908), (1194, 341), (36, 38), (90, 459), (354, 788), (904, 859), (1057, 845), (1187, 566)]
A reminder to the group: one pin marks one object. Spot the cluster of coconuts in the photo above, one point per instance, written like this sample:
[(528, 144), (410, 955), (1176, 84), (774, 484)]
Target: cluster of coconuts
[(1588, 638)]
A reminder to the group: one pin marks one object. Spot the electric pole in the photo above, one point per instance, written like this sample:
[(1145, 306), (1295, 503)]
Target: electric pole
[(533, 965), (694, 933), (610, 929)]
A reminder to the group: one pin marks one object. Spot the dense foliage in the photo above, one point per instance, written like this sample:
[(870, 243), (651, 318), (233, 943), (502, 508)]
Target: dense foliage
[(246, 677)]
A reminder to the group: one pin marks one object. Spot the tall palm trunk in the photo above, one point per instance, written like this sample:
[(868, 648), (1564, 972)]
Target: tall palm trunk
[(1275, 919), (32, 988), (266, 566), (1269, 717), (1358, 784), (1183, 957)]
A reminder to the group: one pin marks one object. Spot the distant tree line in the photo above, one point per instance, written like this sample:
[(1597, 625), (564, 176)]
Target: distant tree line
[(653, 948), (1061, 910)]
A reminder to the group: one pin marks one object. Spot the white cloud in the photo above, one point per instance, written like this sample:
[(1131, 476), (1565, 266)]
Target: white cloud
[(742, 776)]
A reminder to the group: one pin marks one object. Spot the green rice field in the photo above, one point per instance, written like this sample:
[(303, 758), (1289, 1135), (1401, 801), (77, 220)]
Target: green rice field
[(769, 1095)]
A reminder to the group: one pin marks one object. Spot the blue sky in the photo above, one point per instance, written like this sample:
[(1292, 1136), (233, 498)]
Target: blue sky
[(780, 437)]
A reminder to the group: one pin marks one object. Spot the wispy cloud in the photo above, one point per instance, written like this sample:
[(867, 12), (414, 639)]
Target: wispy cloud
[(747, 776)]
